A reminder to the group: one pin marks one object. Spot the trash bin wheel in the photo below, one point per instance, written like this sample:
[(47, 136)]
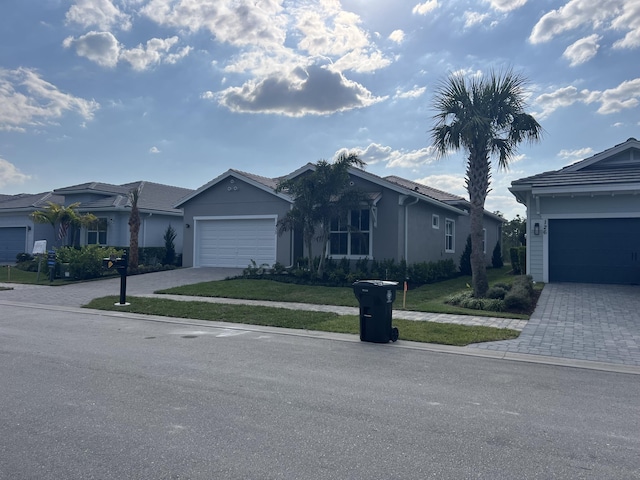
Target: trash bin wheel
[(394, 334)]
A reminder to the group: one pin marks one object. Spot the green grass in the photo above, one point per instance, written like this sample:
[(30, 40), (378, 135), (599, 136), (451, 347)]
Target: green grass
[(427, 298), (446, 334), (11, 274)]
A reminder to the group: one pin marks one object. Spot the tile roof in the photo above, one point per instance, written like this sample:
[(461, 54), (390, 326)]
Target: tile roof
[(29, 201), (424, 189)]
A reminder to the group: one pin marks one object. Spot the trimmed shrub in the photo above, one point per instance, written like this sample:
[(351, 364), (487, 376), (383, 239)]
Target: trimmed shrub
[(467, 300), (496, 292), (522, 259), (85, 262), (520, 297), (496, 258), (515, 261), (465, 258)]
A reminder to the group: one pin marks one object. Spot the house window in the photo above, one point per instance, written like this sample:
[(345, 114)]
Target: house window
[(435, 221), (449, 235), (97, 232), (351, 236)]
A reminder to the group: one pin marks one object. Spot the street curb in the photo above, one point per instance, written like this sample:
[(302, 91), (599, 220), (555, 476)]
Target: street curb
[(342, 337)]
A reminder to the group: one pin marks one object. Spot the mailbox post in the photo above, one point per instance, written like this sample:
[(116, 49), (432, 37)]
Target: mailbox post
[(51, 263), (119, 264)]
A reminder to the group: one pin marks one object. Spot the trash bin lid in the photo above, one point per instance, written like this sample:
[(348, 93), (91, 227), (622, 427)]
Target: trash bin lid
[(377, 283)]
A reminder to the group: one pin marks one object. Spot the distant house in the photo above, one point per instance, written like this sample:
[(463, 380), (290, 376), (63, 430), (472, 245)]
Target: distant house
[(110, 203), (232, 220), (583, 221)]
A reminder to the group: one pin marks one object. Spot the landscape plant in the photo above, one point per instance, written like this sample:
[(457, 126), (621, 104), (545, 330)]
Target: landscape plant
[(483, 116)]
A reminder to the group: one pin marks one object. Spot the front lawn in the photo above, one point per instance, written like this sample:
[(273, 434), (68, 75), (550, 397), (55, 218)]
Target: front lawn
[(430, 332), (426, 298)]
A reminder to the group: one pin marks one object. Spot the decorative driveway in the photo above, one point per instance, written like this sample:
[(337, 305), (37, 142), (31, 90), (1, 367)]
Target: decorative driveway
[(581, 321)]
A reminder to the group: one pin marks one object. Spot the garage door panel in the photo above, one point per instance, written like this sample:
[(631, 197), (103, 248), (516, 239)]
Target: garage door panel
[(600, 250), (235, 242), (12, 242)]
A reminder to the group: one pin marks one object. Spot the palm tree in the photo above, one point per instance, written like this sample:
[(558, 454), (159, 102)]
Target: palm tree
[(61, 217), (485, 117), (134, 226), (319, 197)]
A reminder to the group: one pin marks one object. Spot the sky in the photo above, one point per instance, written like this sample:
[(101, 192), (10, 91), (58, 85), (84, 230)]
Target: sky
[(179, 91)]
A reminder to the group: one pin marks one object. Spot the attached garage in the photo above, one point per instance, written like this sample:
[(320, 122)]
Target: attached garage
[(594, 250), (13, 241), (234, 242)]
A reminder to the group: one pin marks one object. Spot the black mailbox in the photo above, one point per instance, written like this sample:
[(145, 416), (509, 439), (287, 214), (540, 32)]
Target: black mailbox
[(119, 264), (376, 299)]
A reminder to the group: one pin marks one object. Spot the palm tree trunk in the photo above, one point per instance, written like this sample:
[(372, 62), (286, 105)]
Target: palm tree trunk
[(478, 187)]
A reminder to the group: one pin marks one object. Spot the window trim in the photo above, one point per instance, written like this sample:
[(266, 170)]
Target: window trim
[(435, 221), (450, 221), (348, 231), (97, 231)]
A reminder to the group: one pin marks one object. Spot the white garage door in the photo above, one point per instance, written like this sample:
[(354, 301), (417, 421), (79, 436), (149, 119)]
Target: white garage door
[(235, 241)]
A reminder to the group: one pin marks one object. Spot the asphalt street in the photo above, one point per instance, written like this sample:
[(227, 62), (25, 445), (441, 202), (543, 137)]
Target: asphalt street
[(101, 395)]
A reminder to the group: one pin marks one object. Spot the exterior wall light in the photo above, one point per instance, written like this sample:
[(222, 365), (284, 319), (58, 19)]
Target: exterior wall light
[(536, 229)]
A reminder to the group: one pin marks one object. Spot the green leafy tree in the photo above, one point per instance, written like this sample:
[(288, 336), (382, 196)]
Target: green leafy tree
[(484, 117), (134, 227), (62, 217), (319, 197), (514, 234)]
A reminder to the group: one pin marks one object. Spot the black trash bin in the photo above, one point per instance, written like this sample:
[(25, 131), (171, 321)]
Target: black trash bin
[(376, 300)]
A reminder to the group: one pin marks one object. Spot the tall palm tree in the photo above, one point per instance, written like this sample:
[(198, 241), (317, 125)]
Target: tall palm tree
[(485, 117), (134, 227)]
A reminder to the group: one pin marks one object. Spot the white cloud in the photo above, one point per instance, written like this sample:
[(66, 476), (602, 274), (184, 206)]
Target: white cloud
[(284, 52), (312, 91), (154, 150), (474, 18), (447, 183), (612, 15), (9, 173), (613, 100), (506, 5), (103, 48), (28, 100), (582, 50), (376, 153), (237, 22), (415, 92), (99, 47), (580, 153), (99, 13), (397, 36), (142, 57), (424, 8)]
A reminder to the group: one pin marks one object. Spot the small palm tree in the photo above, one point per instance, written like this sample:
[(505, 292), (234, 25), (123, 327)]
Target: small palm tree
[(134, 227), (61, 217), (484, 116), (320, 197)]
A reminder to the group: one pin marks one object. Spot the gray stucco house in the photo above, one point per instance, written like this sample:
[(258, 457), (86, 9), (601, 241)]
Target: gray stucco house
[(232, 220), (107, 202), (583, 221)]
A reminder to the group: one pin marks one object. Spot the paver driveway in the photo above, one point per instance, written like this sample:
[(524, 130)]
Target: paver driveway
[(581, 321)]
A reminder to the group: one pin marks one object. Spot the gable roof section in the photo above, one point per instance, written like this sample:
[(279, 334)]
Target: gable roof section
[(28, 202), (614, 170), (154, 197), (263, 183)]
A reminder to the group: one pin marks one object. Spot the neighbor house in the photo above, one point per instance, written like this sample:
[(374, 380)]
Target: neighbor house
[(583, 221), (232, 221), (109, 203)]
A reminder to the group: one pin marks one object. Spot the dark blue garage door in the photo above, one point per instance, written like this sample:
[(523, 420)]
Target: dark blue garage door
[(595, 250), (12, 242)]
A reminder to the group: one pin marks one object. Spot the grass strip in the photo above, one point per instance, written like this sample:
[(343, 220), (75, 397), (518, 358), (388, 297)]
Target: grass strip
[(427, 332)]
